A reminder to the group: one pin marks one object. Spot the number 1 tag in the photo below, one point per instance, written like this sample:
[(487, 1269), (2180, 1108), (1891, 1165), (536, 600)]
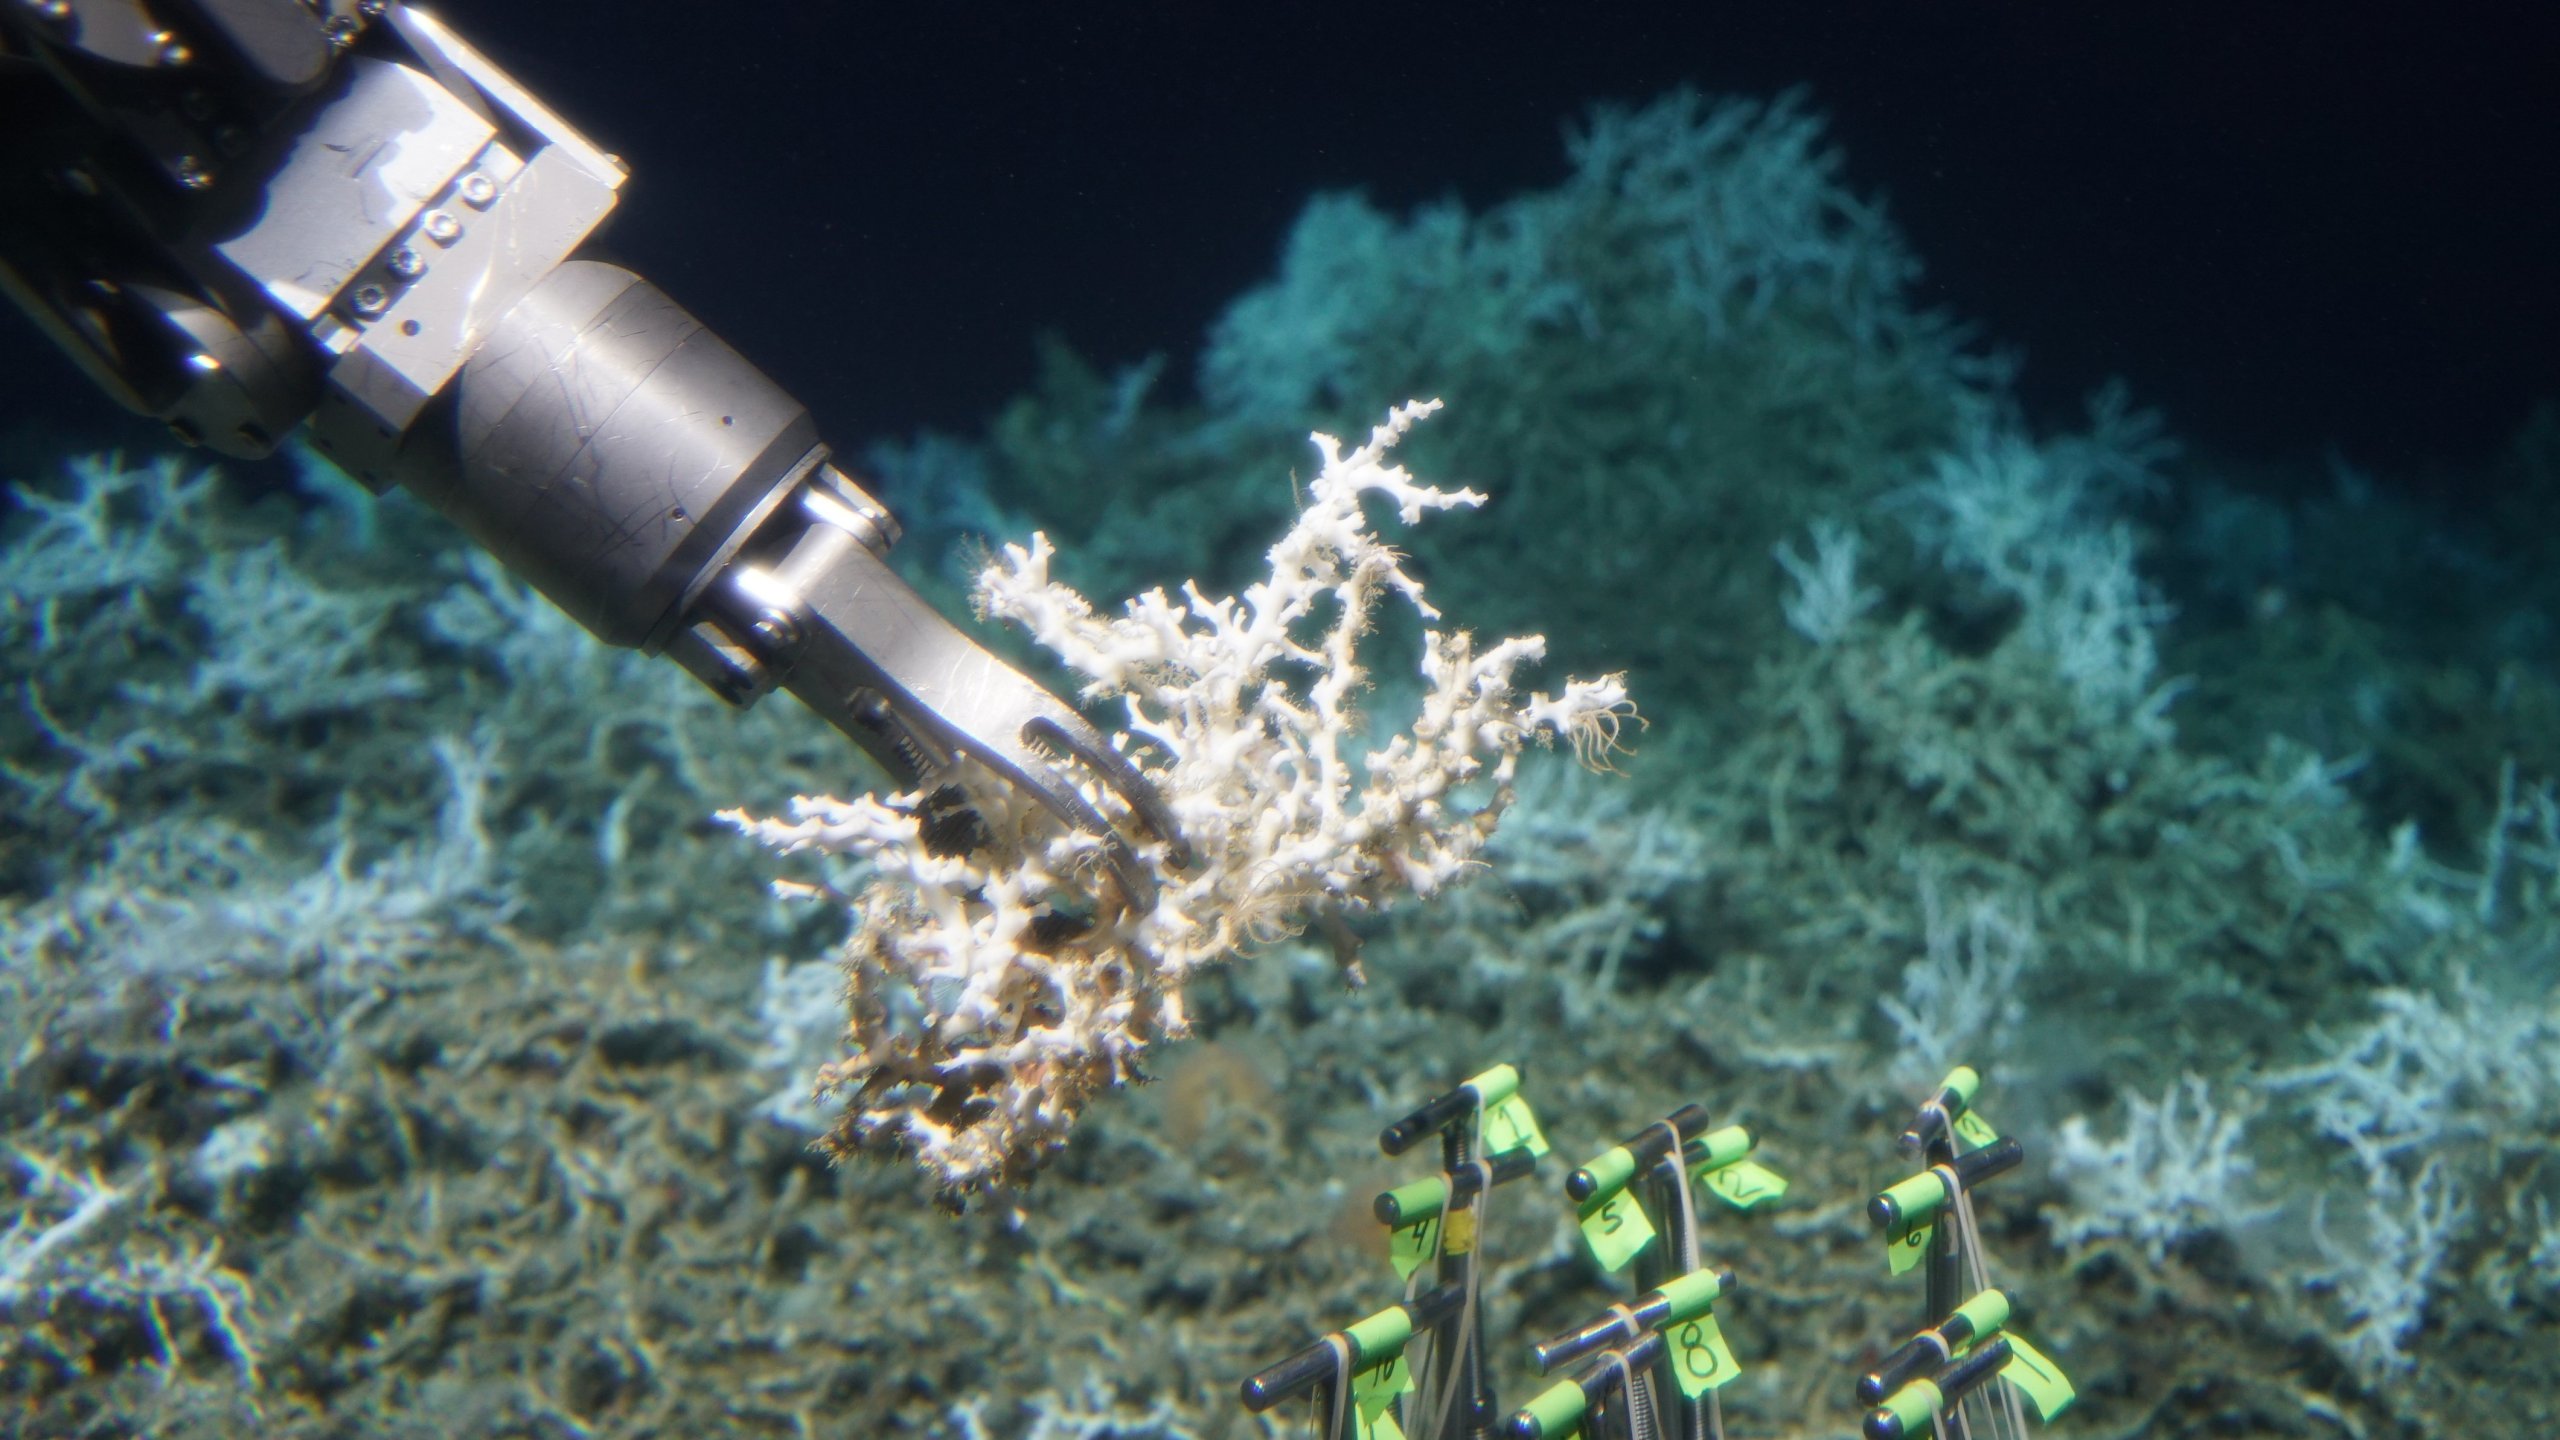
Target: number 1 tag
[(1512, 1125)]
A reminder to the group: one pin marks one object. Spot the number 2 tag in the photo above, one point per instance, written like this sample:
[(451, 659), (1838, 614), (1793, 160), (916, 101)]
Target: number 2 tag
[(1746, 1183)]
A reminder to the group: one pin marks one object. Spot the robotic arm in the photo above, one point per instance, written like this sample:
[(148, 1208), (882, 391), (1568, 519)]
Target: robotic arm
[(244, 216)]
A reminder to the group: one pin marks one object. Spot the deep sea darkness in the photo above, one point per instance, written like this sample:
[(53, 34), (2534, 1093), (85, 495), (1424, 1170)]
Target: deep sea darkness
[(2286, 227)]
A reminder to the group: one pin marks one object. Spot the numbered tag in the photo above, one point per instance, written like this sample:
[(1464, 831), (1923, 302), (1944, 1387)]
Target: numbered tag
[(1700, 1360), (1616, 1229), (1381, 1426), (1374, 1389), (1903, 1252), (1745, 1183), (2038, 1379), (1512, 1125), (1973, 1130), (1410, 1247)]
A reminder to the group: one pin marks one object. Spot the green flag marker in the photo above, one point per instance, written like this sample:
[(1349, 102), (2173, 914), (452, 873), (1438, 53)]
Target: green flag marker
[(1495, 1085), (1380, 1426), (1912, 1406), (1418, 1204), (1700, 1360), (1973, 1130), (1511, 1125), (1611, 1170), (1554, 1413), (1413, 1246), (1375, 1389), (1745, 1184), (1910, 1209), (1985, 1313), (1616, 1230), (1717, 1161), (1718, 1148), (2038, 1379), (1379, 1336)]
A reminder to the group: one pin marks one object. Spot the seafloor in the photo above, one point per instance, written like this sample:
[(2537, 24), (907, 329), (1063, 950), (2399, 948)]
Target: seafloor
[(395, 1044)]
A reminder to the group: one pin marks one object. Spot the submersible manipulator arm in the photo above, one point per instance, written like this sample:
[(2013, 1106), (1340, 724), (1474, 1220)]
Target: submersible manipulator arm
[(248, 217)]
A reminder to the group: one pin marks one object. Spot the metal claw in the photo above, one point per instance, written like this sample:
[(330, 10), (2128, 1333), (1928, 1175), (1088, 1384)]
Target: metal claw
[(870, 654)]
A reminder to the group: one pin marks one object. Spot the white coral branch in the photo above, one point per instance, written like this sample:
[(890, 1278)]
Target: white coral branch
[(994, 991)]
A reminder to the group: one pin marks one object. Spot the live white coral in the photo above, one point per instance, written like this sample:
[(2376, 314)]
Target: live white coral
[(999, 979)]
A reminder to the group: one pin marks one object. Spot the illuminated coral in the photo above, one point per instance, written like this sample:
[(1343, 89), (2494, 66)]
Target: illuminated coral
[(999, 979)]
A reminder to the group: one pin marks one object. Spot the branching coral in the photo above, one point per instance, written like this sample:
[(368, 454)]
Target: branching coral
[(998, 980)]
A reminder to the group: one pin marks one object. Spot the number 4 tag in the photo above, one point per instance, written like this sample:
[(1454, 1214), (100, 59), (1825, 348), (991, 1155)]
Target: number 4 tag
[(1414, 1246)]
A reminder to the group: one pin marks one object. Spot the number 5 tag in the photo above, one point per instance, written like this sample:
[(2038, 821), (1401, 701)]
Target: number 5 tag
[(1616, 1229)]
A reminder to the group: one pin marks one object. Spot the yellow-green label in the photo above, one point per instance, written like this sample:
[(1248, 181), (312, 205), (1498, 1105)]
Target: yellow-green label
[(1381, 1426), (1512, 1125), (1460, 1236), (1376, 1388), (1903, 1251), (1555, 1412), (1975, 1131), (1700, 1360), (1616, 1229), (1495, 1085), (2038, 1379), (1746, 1183), (1410, 1247)]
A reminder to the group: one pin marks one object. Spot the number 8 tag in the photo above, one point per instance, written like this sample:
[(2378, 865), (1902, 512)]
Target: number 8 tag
[(1700, 1360)]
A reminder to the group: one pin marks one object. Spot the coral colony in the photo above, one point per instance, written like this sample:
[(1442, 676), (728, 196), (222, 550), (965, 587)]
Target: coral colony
[(997, 984)]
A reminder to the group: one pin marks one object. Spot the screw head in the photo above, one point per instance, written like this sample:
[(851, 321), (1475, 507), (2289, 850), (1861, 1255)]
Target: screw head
[(442, 228), (405, 262), (775, 630), (370, 300), (478, 190)]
